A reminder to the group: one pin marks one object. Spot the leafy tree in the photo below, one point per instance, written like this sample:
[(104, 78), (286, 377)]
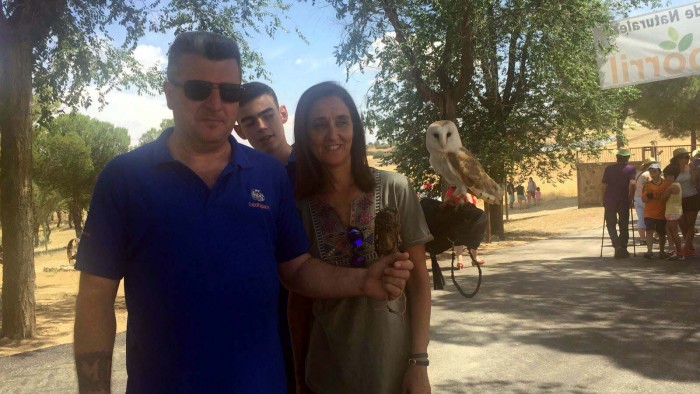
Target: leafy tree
[(69, 156), (671, 106), (44, 203), (58, 49), (153, 133), (519, 78)]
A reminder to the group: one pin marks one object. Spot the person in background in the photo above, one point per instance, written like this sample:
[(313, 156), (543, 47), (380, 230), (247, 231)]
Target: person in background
[(520, 191), (201, 229), (641, 180), (538, 195), (425, 189), (655, 211), (690, 199), (510, 189), (355, 345), (674, 210), (616, 197), (531, 189), (695, 166)]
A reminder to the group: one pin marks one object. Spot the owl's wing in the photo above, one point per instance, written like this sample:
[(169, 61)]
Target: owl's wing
[(474, 177)]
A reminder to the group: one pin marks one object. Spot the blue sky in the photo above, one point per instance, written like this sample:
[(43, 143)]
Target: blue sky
[(293, 65)]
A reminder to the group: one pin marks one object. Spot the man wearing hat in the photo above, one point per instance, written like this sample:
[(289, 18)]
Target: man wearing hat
[(618, 192), (642, 179)]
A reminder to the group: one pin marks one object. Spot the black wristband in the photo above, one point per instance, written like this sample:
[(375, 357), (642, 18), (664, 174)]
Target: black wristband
[(413, 361), (418, 355)]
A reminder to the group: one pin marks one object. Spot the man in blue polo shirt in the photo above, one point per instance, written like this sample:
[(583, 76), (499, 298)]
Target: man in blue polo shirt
[(200, 227)]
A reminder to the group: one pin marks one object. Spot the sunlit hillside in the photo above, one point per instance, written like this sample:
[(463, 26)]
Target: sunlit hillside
[(640, 136)]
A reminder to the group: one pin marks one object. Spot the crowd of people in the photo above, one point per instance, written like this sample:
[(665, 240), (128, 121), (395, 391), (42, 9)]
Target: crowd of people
[(526, 196), (666, 201)]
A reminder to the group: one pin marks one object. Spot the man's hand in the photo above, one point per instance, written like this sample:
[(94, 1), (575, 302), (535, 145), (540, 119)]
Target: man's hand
[(386, 278)]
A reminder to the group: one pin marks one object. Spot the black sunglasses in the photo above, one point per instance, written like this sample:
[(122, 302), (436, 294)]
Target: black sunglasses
[(201, 90), (356, 239)]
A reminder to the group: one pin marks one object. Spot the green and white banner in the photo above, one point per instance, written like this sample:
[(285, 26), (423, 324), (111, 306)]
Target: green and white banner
[(651, 47)]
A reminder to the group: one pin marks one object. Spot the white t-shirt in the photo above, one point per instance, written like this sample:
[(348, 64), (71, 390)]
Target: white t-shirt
[(642, 179)]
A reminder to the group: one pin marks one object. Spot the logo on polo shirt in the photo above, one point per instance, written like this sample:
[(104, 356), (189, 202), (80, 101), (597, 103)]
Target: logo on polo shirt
[(257, 195)]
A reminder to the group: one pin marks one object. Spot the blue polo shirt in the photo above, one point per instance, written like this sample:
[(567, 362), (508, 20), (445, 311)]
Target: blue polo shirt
[(199, 267), (291, 168)]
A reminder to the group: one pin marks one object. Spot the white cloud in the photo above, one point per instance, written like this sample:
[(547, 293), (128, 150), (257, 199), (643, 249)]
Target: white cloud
[(377, 47), (149, 55), (314, 63), (289, 129), (133, 112)]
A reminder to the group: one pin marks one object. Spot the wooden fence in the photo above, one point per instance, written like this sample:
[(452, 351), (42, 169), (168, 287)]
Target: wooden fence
[(663, 154)]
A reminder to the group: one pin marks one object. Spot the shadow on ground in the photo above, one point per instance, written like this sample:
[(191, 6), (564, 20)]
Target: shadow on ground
[(641, 314)]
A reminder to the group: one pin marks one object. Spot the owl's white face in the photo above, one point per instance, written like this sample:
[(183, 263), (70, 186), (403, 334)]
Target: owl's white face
[(442, 136)]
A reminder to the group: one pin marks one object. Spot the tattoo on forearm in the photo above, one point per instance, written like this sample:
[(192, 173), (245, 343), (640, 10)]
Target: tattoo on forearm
[(94, 371)]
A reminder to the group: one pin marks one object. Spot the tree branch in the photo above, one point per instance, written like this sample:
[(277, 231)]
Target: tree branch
[(510, 73), (522, 72), (444, 64), (490, 67), (466, 54), (423, 89)]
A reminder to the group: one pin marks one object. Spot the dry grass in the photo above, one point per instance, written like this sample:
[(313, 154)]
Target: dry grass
[(374, 162), (55, 293)]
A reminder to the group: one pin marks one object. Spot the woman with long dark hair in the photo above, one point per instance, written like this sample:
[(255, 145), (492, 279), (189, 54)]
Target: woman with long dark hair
[(690, 199), (355, 345)]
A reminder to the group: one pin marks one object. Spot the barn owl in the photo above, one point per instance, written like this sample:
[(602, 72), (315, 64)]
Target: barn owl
[(457, 165)]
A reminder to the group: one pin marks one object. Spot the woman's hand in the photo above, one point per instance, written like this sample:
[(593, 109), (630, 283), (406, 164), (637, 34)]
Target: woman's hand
[(415, 380)]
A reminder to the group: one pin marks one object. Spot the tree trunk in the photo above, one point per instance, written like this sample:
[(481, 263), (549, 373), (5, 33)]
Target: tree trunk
[(59, 218), (693, 140), (18, 300), (620, 124), (37, 237), (496, 218), (76, 217)]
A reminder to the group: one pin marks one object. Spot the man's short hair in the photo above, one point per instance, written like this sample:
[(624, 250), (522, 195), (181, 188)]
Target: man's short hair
[(211, 46), (253, 90)]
